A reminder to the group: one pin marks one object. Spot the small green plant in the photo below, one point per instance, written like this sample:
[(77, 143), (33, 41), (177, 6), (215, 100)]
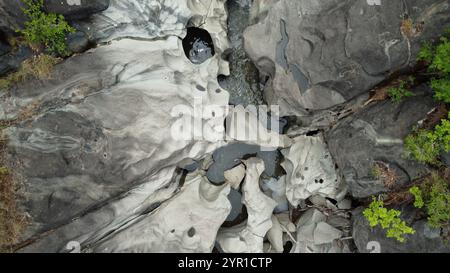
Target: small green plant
[(390, 220), (442, 89), (47, 29), (438, 58), (434, 196), (426, 146), (397, 94), (39, 67), (418, 199)]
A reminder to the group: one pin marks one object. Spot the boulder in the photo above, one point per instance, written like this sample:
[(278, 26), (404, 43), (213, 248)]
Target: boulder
[(322, 53), (310, 170), (314, 235), (76, 9), (157, 18), (77, 42), (375, 136)]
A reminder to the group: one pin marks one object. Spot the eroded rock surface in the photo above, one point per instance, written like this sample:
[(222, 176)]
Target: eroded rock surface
[(187, 223), (102, 162), (321, 54), (100, 128), (375, 136), (310, 170), (76, 9)]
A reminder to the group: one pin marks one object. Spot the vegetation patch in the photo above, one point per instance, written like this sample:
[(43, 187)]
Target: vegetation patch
[(12, 219), (389, 220), (426, 146), (438, 59), (39, 67), (45, 29), (400, 92), (434, 196)]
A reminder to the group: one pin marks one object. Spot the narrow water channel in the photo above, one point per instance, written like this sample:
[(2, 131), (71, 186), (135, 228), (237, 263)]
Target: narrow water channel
[(244, 83)]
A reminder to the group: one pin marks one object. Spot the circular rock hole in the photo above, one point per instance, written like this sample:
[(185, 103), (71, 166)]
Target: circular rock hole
[(191, 232), (198, 45)]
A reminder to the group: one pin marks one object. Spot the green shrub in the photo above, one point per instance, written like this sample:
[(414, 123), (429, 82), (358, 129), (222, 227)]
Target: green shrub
[(434, 196), (390, 220), (438, 58), (426, 146), (418, 199), (422, 146), (47, 29), (397, 94), (442, 89)]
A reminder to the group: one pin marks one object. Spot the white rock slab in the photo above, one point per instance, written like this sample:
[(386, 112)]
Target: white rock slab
[(249, 238), (187, 223), (310, 170)]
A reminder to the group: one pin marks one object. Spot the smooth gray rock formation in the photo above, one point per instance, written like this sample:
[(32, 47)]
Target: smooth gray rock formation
[(425, 239), (314, 235), (187, 223), (99, 132), (77, 151), (75, 9), (322, 53), (373, 135), (149, 19)]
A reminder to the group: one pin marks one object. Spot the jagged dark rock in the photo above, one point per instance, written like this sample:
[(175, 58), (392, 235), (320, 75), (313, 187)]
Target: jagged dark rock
[(376, 134), (102, 160), (320, 54)]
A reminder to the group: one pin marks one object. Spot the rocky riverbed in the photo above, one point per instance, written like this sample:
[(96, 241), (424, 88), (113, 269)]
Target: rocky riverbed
[(134, 143)]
